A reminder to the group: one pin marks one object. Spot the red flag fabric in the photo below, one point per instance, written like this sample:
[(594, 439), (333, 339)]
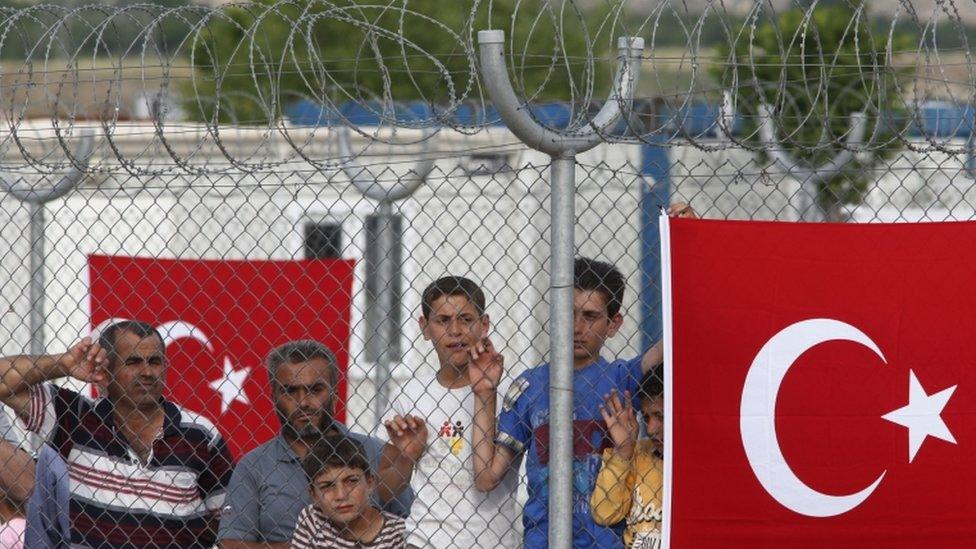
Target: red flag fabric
[(821, 385), (220, 319)]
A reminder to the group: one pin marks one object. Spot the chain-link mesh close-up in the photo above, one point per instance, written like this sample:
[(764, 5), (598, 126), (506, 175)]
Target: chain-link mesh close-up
[(352, 274)]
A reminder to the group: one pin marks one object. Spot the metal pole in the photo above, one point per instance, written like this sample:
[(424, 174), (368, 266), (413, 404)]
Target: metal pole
[(810, 178), (971, 148), (562, 147), (563, 180), (386, 273), (36, 236), (655, 193), (385, 245), (35, 198), (491, 44)]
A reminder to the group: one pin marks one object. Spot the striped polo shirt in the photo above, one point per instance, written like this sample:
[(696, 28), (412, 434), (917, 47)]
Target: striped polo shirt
[(118, 501), (314, 531)]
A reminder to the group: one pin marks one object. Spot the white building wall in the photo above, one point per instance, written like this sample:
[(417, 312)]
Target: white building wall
[(492, 228)]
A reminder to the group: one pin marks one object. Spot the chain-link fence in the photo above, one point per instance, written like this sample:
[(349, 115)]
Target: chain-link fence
[(195, 187)]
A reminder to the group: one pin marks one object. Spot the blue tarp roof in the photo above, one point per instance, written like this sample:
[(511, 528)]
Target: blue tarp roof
[(308, 113), (935, 119)]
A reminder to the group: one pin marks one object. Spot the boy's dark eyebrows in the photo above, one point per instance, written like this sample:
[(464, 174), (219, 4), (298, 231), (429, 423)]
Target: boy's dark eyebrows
[(444, 317), (355, 473)]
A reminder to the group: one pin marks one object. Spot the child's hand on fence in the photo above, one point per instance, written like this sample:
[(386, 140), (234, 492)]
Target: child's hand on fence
[(621, 423), (84, 361), (408, 434), (486, 367)]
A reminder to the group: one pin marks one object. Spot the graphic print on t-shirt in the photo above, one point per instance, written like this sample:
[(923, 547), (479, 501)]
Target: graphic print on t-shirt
[(452, 434), (443, 478)]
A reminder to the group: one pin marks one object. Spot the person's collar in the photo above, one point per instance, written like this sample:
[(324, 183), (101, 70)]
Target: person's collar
[(599, 361), (105, 410), (171, 419), (283, 451)]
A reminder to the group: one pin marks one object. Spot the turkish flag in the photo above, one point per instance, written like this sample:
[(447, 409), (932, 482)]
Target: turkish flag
[(220, 320), (821, 384)]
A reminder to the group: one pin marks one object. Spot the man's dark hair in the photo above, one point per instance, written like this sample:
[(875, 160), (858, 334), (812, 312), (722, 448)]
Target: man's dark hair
[(652, 383), (335, 451), (597, 276), (298, 351), (109, 336), (452, 285)]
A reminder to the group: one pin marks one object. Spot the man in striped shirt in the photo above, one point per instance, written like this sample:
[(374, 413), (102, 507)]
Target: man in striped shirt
[(143, 471)]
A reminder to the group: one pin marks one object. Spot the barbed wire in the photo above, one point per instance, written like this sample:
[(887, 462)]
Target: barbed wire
[(190, 74)]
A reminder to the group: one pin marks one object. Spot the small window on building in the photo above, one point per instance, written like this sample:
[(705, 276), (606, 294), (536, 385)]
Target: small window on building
[(323, 240)]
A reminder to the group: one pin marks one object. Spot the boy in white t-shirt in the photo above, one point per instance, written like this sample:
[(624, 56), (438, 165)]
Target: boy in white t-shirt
[(447, 510)]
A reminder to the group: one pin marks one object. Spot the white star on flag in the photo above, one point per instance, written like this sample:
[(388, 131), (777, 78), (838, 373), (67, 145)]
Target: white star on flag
[(922, 415), (231, 386)]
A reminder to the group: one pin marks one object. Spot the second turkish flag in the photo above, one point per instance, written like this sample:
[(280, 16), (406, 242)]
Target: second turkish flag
[(221, 318), (822, 384)]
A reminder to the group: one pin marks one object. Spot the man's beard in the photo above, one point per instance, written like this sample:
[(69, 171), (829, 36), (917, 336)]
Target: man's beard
[(311, 430)]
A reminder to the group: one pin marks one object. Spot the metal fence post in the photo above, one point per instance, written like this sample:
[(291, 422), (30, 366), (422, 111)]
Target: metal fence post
[(656, 168), (36, 198), (810, 178), (384, 244), (562, 147), (970, 163)]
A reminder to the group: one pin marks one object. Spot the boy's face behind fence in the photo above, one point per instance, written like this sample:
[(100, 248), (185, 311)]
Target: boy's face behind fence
[(653, 411), (454, 327), (303, 397), (137, 370), (342, 493), (592, 326)]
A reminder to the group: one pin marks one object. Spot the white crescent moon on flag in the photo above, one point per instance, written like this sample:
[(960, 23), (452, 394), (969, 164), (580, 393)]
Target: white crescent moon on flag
[(171, 331), (97, 330), (178, 329), (757, 419)]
